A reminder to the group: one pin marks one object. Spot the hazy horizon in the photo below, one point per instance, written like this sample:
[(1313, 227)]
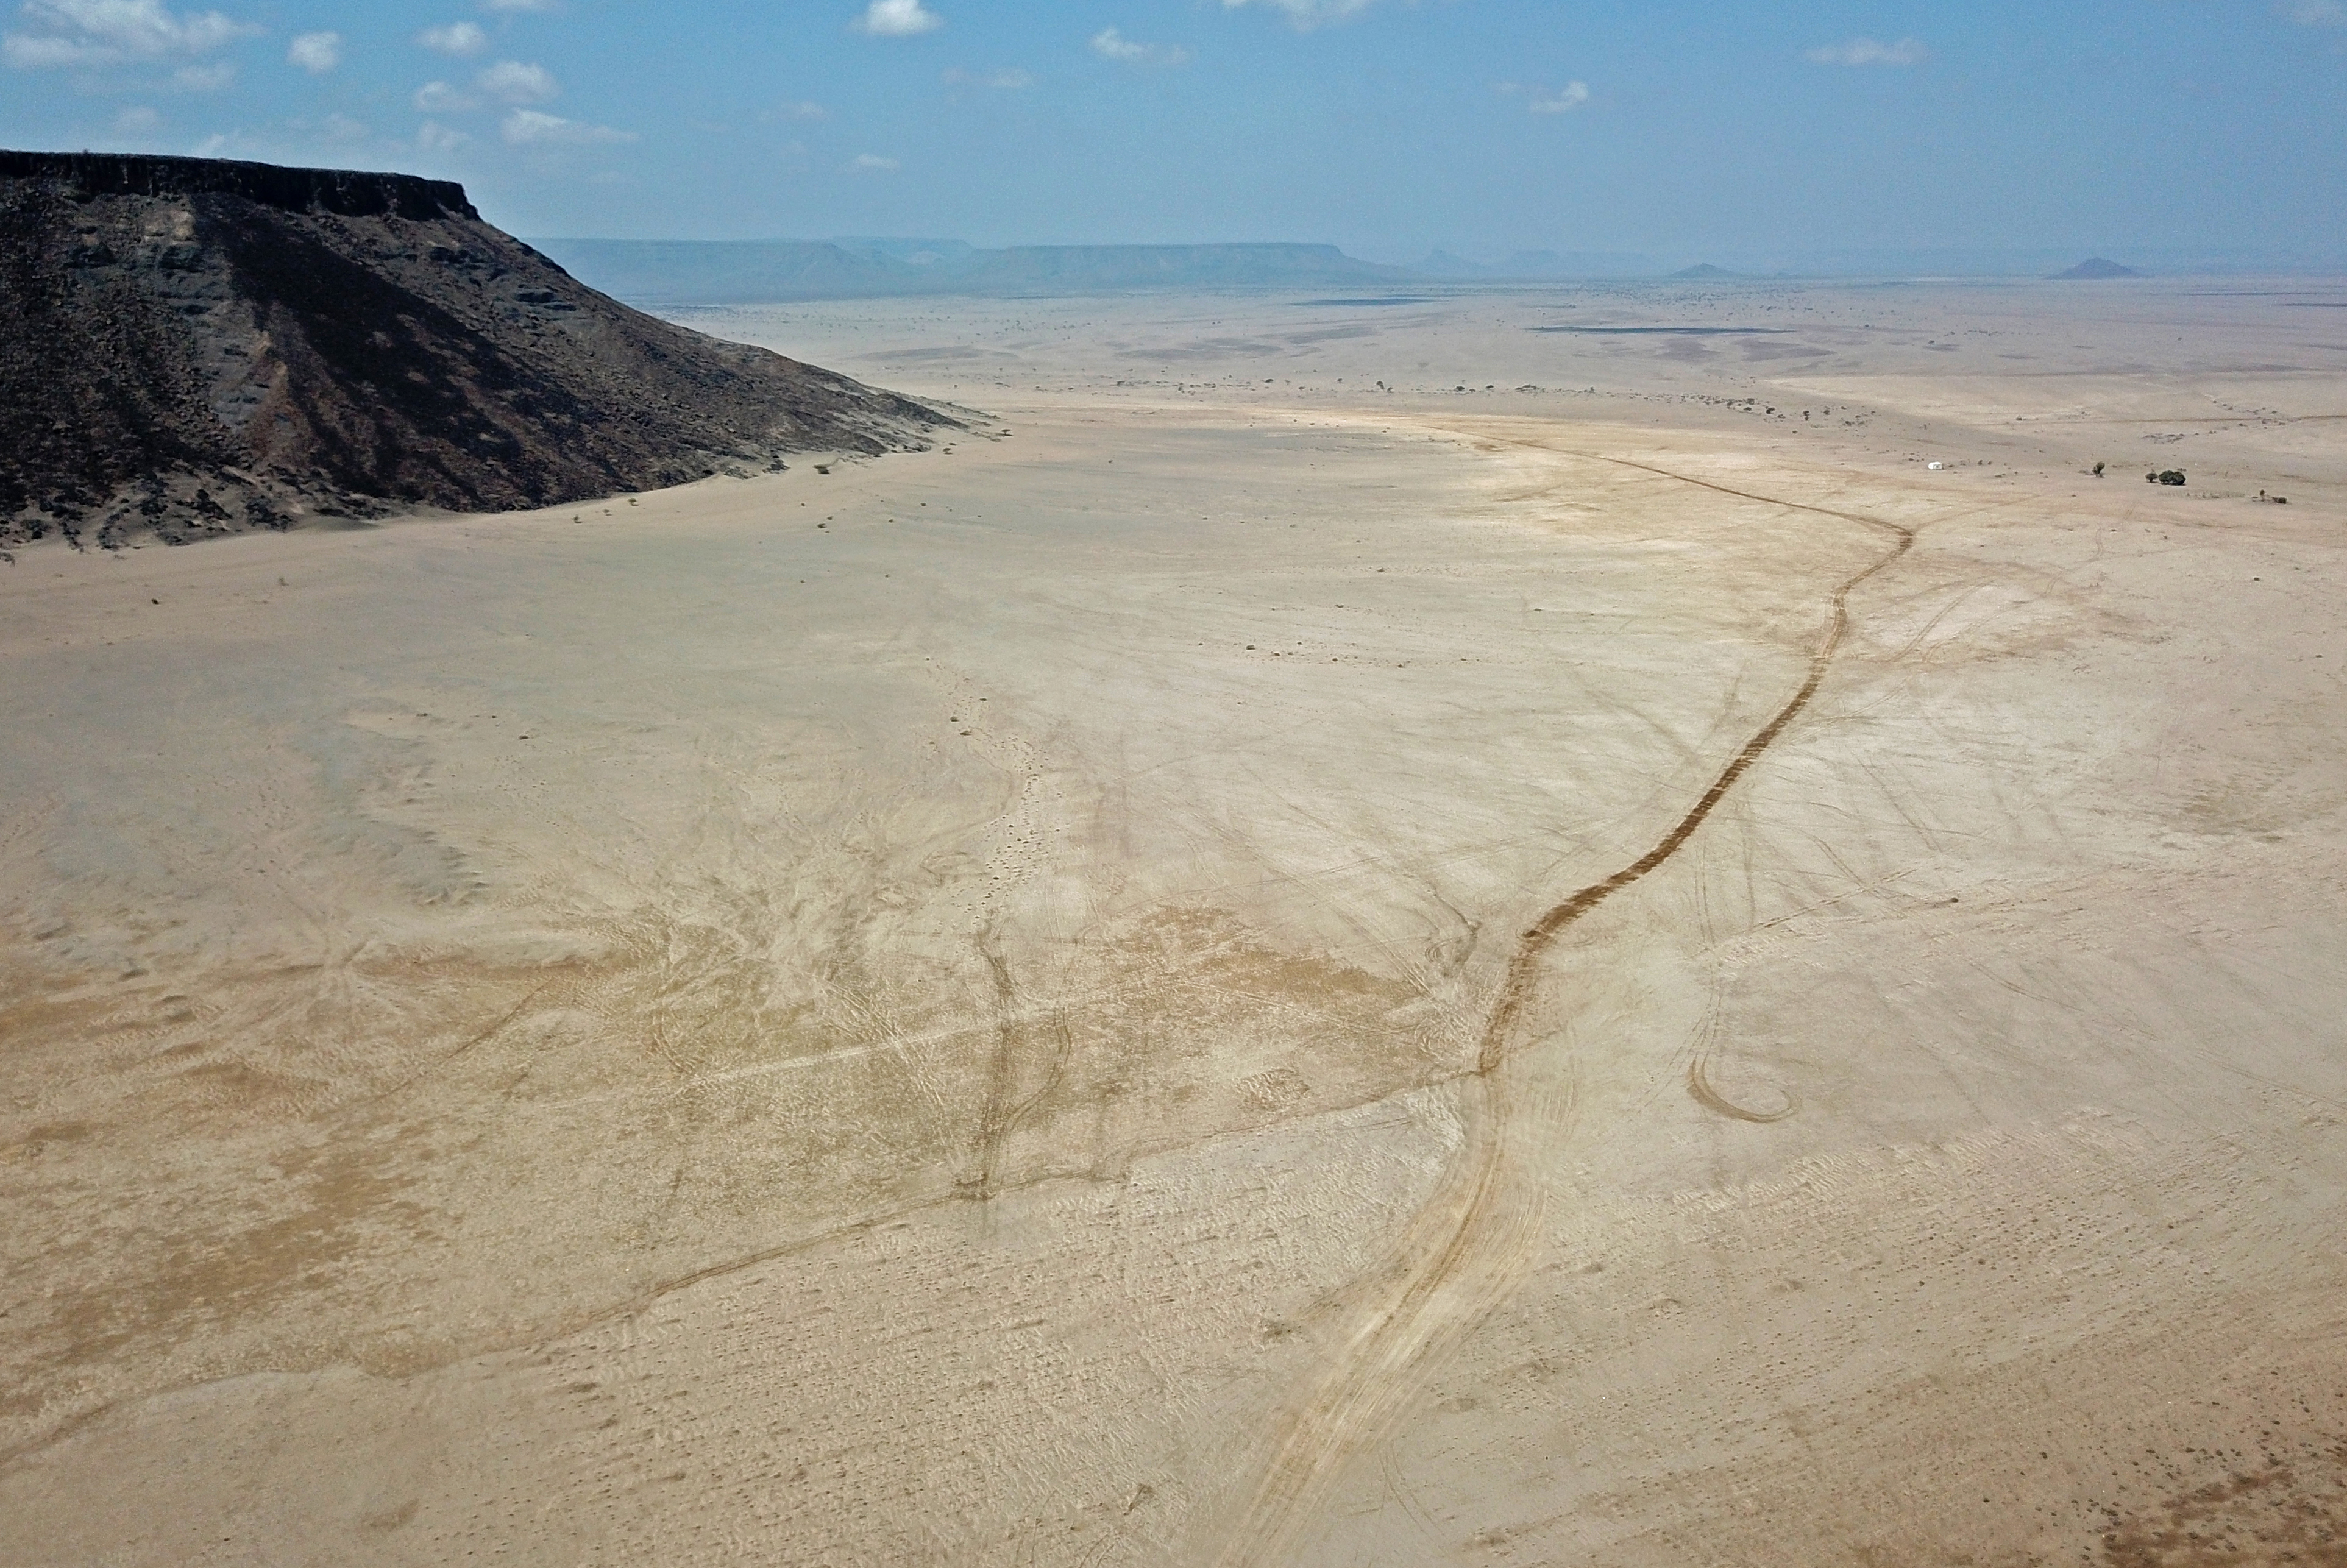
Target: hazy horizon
[(2191, 128), (2018, 263)]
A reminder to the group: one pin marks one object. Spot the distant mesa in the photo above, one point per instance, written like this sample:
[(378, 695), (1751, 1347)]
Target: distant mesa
[(673, 273), (1705, 270), (1443, 265), (1528, 266), (667, 272), (1057, 269), (2097, 267), (194, 346)]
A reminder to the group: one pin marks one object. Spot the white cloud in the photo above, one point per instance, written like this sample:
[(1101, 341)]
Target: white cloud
[(899, 19), (334, 128), (1564, 100), (29, 53), (456, 38), (316, 53), (520, 5), (209, 78), (1006, 81), (66, 33), (433, 136), (439, 98), (797, 111), (531, 128), (1868, 52), (137, 120), (518, 83), (1115, 46), (873, 160), (1307, 15), (2314, 13)]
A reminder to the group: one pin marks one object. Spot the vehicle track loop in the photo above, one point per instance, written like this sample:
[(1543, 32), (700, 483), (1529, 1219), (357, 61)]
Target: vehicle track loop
[(1700, 1087), (1458, 1257)]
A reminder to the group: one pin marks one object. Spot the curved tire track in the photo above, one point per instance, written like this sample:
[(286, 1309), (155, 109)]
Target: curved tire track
[(1459, 1255)]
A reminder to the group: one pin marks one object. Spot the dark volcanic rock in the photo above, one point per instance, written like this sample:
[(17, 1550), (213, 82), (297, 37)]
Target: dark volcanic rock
[(189, 346)]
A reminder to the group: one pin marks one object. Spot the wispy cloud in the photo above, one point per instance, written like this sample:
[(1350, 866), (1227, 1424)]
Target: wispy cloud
[(518, 83), (899, 19), (439, 98), (1540, 101), (456, 38), (1306, 14), (138, 120), (316, 53), (1003, 81), (84, 33), (533, 127), (1869, 52), (2314, 13), (433, 136), (797, 111), (340, 127), (209, 78), (873, 160), (1115, 46), (520, 5)]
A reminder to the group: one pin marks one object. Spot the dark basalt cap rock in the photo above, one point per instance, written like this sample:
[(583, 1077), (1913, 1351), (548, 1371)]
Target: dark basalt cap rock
[(347, 193), (191, 347)]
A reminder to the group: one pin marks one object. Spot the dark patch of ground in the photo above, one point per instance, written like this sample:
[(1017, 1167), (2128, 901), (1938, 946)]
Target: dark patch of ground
[(2275, 1509)]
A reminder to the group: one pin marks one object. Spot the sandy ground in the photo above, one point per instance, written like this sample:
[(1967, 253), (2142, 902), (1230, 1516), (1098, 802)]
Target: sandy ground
[(1385, 935)]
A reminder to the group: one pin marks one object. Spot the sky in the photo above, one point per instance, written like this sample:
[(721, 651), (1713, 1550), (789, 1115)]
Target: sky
[(2134, 128)]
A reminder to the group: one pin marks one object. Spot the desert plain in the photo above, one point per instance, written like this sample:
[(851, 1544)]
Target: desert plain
[(1476, 927)]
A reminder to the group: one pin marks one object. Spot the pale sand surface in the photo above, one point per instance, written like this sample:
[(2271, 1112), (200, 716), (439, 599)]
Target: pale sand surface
[(1045, 1020)]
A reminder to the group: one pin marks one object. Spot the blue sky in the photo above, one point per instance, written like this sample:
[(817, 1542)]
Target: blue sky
[(1738, 130)]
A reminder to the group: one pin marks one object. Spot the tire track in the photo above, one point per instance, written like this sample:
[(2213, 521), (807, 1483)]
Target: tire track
[(1005, 1110), (1022, 1070), (1459, 1258)]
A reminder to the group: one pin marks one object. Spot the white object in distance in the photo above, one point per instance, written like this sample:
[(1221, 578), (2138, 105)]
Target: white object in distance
[(1935, 467)]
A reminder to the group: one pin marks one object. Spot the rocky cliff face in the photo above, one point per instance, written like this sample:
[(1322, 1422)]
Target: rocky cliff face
[(192, 346)]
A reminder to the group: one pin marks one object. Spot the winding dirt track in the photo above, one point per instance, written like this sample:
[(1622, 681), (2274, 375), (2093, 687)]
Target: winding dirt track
[(1460, 1253)]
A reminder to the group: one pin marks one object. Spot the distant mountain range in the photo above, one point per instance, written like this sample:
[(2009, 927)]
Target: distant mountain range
[(747, 271), (750, 271), (1537, 264)]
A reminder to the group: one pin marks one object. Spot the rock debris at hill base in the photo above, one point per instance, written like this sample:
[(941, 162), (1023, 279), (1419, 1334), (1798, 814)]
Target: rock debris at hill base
[(192, 346)]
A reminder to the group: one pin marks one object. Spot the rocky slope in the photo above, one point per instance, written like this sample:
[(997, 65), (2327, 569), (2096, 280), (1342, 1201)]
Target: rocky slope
[(191, 346)]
